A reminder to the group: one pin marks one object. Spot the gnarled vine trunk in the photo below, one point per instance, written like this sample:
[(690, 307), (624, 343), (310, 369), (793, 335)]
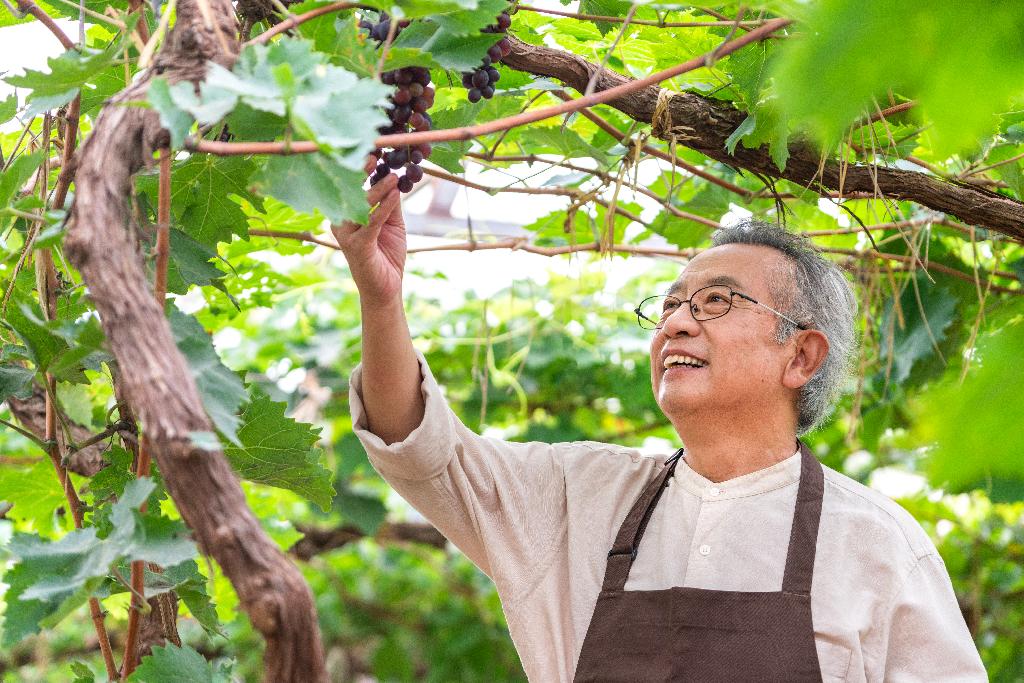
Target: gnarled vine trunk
[(154, 373)]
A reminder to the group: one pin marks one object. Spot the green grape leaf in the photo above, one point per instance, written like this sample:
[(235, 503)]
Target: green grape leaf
[(469, 22), (189, 264), (961, 78), (34, 492), (8, 108), (111, 480), (51, 578), (15, 381), (16, 175), (366, 512), (913, 345), (278, 451), (955, 417), (220, 388), (201, 193), (68, 72), (173, 664), (190, 586), (316, 182), (163, 97), (450, 50)]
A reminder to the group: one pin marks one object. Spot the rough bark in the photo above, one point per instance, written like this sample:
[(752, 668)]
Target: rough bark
[(31, 413), (156, 377), (704, 125)]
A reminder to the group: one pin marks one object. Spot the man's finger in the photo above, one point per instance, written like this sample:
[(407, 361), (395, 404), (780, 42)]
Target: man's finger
[(370, 165), (388, 204), (378, 191)]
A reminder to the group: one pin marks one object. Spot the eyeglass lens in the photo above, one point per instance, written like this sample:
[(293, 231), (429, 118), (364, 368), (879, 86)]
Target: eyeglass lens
[(705, 304)]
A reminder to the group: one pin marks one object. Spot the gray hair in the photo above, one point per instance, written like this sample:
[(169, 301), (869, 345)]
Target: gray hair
[(821, 299)]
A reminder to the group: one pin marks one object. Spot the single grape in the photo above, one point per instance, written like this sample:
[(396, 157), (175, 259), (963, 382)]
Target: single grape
[(388, 78), (424, 149), (495, 52), (405, 184), (419, 105), (487, 92), (493, 75), (505, 45), (504, 21), (485, 60), (474, 95), (415, 89), (467, 79), (421, 75), (404, 77), (413, 172), (401, 114), (416, 156), (416, 120), (402, 96), (394, 161)]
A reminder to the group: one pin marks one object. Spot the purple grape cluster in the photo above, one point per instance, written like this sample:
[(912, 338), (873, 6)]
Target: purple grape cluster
[(407, 111), (480, 81), (379, 31), (412, 98)]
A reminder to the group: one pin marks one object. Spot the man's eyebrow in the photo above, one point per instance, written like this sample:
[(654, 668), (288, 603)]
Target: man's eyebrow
[(726, 280)]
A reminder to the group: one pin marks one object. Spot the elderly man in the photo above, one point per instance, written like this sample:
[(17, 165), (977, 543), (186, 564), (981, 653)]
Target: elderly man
[(740, 558)]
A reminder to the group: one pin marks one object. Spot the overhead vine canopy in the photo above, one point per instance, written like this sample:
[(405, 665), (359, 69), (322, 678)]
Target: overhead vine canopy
[(890, 133)]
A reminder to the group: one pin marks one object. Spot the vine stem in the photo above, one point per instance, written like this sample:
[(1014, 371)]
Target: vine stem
[(143, 463), (470, 132)]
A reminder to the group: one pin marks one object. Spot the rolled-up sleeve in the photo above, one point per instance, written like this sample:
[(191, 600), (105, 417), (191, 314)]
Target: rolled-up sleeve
[(502, 503), (928, 639)]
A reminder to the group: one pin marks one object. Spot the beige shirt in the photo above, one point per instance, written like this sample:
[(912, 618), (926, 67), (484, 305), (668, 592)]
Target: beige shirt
[(539, 519)]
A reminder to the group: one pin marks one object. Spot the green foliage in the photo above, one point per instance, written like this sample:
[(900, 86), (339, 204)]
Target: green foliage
[(556, 361), (173, 664), (51, 578), (278, 451), (221, 389), (941, 54), (67, 74), (975, 448)]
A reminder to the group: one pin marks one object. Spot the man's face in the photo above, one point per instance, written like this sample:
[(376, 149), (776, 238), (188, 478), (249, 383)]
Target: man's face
[(743, 364)]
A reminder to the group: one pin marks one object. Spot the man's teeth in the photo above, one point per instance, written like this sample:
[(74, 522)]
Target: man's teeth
[(684, 360)]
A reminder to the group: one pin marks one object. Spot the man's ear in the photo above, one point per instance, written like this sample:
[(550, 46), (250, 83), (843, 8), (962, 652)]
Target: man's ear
[(811, 347)]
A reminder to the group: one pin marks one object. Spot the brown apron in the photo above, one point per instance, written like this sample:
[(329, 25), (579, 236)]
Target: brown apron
[(697, 634)]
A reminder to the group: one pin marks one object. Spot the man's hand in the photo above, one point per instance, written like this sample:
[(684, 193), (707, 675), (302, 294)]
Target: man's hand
[(376, 251)]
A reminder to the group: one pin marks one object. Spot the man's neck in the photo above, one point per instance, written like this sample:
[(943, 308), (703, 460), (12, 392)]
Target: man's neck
[(719, 454)]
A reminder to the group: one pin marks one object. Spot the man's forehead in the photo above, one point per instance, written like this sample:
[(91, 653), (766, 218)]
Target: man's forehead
[(692, 282)]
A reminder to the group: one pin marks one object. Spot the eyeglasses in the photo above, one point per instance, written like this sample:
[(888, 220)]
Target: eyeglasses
[(707, 303)]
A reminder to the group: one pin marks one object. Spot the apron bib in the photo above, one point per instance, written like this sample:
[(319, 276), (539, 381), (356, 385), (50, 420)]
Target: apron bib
[(697, 634)]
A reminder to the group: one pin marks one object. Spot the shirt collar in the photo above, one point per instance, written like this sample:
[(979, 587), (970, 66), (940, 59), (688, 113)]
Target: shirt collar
[(760, 481)]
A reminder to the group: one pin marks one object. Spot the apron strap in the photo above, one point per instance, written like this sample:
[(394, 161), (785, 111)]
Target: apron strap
[(803, 536), (623, 552)]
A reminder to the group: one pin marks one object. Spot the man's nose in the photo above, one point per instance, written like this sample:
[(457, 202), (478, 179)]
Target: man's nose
[(681, 321)]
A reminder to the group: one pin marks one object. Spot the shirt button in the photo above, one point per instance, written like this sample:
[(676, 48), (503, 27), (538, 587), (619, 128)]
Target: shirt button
[(705, 549), (714, 490)]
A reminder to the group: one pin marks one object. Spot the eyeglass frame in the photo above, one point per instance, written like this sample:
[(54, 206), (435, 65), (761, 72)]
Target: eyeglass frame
[(732, 293)]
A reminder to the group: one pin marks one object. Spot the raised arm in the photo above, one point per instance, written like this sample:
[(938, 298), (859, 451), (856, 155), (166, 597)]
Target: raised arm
[(376, 257)]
